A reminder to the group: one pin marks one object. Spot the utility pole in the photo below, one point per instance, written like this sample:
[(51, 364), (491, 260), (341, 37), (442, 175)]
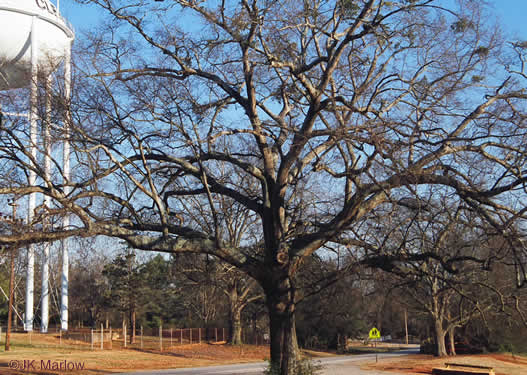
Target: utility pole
[(11, 281)]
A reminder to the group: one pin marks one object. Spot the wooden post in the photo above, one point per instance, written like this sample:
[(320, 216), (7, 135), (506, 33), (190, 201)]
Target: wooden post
[(190, 330), (124, 333), (91, 340), (111, 337), (223, 332), (10, 302), (141, 337), (11, 284), (170, 337), (102, 336), (406, 324), (30, 334), (216, 334), (181, 336), (60, 337), (161, 338), (199, 335)]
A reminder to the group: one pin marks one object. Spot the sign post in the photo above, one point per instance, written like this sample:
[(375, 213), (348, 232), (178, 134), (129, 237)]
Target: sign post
[(375, 335)]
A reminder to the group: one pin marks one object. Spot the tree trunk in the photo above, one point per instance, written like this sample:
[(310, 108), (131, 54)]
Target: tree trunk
[(235, 326), (342, 343), (440, 338), (132, 326), (451, 340), (284, 345), (235, 314)]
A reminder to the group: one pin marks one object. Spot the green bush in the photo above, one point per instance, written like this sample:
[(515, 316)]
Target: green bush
[(506, 348)]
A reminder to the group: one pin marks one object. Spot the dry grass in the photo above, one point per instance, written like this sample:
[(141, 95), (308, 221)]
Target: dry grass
[(503, 364), (115, 361)]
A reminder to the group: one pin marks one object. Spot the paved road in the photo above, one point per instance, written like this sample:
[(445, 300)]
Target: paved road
[(340, 365)]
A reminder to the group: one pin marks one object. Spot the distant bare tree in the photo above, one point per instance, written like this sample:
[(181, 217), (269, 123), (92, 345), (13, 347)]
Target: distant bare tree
[(87, 289), (240, 291), (441, 256), (211, 280), (233, 224)]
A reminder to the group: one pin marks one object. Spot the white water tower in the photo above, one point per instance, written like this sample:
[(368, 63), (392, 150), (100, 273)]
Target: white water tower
[(34, 41)]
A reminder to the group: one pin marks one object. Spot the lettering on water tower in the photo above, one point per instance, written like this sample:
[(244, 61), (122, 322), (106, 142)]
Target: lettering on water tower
[(46, 5)]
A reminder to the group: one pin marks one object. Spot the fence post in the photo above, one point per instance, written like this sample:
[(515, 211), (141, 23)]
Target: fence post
[(223, 334), (170, 337), (190, 335), (141, 337), (111, 338), (161, 337), (91, 340), (216, 334), (124, 333), (199, 335), (102, 336), (181, 336), (60, 337)]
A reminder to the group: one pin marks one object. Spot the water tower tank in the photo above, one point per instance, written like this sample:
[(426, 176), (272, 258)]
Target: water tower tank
[(53, 37)]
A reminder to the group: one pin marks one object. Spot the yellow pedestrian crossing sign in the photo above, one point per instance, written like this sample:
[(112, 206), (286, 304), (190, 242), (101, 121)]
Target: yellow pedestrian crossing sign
[(374, 333)]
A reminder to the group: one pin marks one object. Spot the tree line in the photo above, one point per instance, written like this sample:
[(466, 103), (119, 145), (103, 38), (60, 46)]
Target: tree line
[(439, 308)]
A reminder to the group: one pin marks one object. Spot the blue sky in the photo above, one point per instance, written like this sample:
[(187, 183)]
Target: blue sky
[(512, 13)]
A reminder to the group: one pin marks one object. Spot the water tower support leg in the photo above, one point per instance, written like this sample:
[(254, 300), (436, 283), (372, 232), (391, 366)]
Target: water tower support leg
[(67, 175), (47, 203), (28, 326)]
